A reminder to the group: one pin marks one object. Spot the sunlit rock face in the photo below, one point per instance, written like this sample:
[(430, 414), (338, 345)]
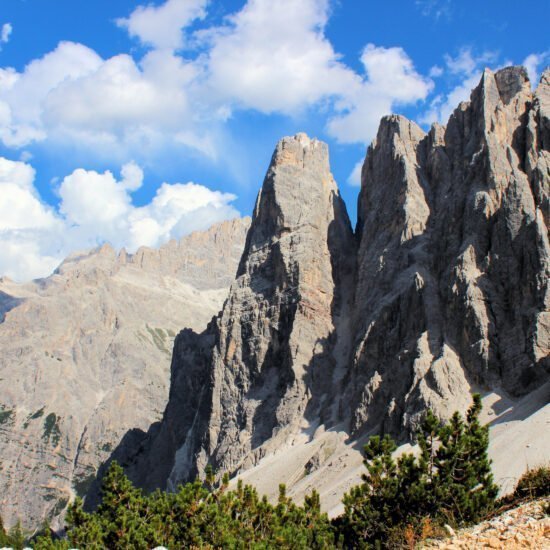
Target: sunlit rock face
[(270, 365), (86, 358)]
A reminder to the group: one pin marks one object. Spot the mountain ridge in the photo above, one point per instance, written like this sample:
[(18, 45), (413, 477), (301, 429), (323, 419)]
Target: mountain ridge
[(450, 222), (86, 355)]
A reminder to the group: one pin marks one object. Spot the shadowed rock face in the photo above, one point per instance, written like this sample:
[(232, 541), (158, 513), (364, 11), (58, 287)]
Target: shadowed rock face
[(443, 289), (452, 284), (86, 357)]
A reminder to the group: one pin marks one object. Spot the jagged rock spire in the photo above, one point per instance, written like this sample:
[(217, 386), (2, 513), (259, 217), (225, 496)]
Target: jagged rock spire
[(452, 289), (269, 359)]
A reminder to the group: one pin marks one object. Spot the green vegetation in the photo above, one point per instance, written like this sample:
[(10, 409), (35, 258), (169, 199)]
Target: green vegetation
[(51, 433), (159, 338), (15, 539), (535, 483), (450, 482), (198, 515), (39, 413), (400, 502), (5, 415)]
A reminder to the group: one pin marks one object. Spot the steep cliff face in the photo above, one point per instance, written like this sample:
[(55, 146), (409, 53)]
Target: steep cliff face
[(453, 265), (442, 290), (267, 368), (86, 356)]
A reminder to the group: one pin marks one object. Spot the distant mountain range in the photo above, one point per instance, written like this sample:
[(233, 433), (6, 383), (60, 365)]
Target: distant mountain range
[(86, 358)]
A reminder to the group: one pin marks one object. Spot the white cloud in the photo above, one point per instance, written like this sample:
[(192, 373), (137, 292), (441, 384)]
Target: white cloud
[(161, 26), (24, 222), (354, 178), (94, 208), (113, 109), (5, 33), (100, 208), (465, 70), (269, 57), (533, 63), (466, 63), (274, 57), (22, 95), (390, 80), (436, 71), (20, 207), (121, 95)]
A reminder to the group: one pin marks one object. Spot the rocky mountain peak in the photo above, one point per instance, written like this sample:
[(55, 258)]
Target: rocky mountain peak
[(510, 82), (443, 290), (265, 368), (301, 150), (451, 236)]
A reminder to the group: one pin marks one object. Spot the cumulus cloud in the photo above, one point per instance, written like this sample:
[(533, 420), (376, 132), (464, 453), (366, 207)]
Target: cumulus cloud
[(355, 176), (114, 108), (268, 57), (274, 57), (390, 80), (94, 208), (99, 208), (24, 222), (20, 207), (22, 95), (161, 26)]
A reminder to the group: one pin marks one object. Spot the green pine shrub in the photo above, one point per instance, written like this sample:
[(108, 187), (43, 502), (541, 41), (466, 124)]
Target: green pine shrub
[(198, 515), (401, 502), (450, 482)]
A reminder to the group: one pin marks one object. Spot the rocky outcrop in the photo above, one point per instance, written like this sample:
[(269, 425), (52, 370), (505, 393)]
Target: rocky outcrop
[(267, 367), (86, 357), (453, 265), (525, 526), (442, 290)]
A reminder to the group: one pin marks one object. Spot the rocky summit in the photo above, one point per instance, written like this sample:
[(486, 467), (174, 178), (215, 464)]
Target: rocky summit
[(86, 357), (441, 290), (453, 264), (268, 365)]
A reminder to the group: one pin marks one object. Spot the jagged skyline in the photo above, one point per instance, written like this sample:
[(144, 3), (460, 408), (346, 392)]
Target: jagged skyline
[(102, 103)]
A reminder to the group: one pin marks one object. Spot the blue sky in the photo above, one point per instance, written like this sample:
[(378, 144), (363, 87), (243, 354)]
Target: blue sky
[(135, 122)]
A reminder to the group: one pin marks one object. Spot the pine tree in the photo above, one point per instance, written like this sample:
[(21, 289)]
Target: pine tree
[(3, 535), (463, 482), (16, 537), (450, 481)]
